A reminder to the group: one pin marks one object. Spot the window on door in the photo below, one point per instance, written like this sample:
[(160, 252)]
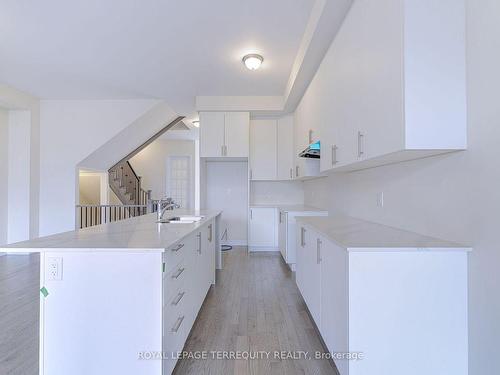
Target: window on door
[(179, 180)]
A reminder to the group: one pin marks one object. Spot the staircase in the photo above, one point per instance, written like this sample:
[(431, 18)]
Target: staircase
[(126, 184)]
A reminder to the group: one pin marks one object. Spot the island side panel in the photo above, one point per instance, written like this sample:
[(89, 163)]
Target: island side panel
[(408, 312), (102, 314)]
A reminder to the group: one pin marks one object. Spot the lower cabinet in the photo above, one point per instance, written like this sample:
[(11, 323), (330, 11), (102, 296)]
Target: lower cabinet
[(287, 229), (402, 311), (188, 272), (262, 228)]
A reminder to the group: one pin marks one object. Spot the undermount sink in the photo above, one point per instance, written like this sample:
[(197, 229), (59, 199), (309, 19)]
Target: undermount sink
[(180, 220)]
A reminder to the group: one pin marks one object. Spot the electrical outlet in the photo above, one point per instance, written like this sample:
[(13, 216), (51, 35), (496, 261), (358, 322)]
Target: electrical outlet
[(54, 268), (380, 199)]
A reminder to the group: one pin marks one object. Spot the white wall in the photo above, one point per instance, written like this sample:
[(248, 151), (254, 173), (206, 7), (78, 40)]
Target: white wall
[(4, 168), (90, 188), (276, 192), (454, 197), (15, 100), (70, 131), (18, 176), (151, 164)]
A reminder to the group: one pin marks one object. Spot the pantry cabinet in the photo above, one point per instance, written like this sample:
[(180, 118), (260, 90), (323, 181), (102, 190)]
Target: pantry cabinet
[(224, 134), (390, 89)]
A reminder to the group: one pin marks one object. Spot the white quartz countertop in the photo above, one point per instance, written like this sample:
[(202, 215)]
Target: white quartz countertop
[(138, 233), (358, 235), (289, 207)]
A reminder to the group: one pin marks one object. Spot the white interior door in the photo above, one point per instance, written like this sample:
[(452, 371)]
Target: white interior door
[(178, 184)]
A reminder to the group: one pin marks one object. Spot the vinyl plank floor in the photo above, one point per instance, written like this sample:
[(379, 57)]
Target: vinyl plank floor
[(255, 306), (19, 307)]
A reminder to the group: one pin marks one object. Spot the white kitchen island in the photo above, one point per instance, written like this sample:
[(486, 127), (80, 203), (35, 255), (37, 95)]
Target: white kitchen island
[(121, 298)]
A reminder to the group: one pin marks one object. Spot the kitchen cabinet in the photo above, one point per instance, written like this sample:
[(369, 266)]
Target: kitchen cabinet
[(388, 89), (304, 135), (393, 295), (285, 154), (212, 134), (309, 271), (262, 226), (263, 150), (237, 134), (186, 282), (287, 230), (224, 134)]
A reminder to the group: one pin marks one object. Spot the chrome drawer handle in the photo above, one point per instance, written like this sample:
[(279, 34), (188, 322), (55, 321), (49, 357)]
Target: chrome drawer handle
[(180, 246), (177, 324), (178, 273), (177, 299)]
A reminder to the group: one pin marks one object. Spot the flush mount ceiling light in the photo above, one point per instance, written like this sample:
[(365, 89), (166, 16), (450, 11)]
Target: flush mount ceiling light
[(253, 61), (196, 123)]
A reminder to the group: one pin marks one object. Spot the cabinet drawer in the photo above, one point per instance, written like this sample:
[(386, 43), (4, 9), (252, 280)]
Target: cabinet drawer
[(174, 280), (174, 254)]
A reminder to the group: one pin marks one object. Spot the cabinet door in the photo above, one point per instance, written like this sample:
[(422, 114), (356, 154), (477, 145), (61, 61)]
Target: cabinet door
[(263, 149), (262, 227), (309, 272), (211, 134), (334, 300), (285, 154), (282, 235), (237, 134)]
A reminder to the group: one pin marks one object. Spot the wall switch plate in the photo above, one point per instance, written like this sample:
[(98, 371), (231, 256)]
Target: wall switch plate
[(380, 199), (54, 268)]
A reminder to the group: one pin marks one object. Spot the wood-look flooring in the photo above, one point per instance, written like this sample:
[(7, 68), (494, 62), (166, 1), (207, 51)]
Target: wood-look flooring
[(19, 314), (254, 306)]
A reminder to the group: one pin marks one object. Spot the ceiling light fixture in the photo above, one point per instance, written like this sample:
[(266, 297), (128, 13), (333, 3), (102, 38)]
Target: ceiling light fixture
[(253, 61), (196, 123)]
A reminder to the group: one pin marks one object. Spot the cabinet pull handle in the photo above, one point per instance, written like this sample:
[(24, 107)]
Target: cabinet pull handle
[(360, 144), (280, 217), (302, 237), (178, 298), (318, 251), (199, 242), (291, 173), (222, 150), (251, 174), (225, 150), (334, 154), (180, 246), (177, 324), (210, 233), (296, 171), (178, 273)]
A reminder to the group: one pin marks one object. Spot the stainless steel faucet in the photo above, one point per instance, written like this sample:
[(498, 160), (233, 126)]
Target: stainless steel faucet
[(165, 205)]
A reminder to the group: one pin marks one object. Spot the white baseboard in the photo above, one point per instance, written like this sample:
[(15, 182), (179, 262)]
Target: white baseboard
[(263, 248)]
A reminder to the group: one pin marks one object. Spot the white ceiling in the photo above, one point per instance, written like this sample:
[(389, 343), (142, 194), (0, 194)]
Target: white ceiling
[(174, 50)]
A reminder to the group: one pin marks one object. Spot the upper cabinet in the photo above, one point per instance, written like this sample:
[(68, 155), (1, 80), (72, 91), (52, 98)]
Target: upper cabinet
[(271, 149), (263, 150), (224, 134), (285, 154), (391, 87)]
